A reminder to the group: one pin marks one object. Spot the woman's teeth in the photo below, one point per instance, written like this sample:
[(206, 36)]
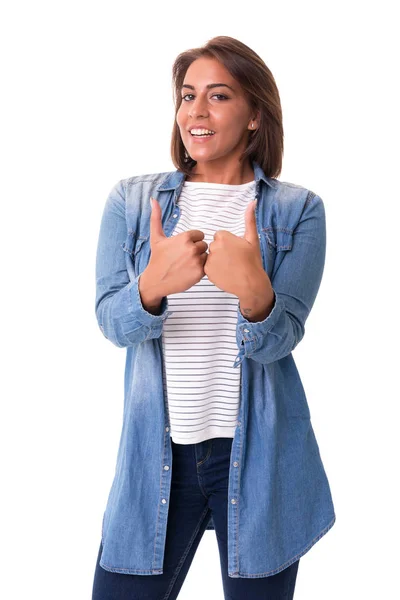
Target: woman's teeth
[(200, 132)]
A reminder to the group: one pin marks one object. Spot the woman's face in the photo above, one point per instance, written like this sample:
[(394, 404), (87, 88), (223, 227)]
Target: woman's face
[(221, 109)]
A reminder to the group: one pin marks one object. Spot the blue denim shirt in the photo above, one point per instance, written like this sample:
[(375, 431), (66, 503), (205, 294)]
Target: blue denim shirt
[(279, 499)]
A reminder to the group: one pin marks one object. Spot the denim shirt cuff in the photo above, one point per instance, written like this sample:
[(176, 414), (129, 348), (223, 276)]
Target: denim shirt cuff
[(140, 313)]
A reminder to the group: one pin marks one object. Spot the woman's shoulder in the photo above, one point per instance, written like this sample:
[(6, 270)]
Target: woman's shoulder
[(293, 189), (293, 196), (157, 177)]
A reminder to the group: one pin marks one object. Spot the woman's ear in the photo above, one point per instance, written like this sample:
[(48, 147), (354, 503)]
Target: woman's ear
[(255, 121), (257, 118)]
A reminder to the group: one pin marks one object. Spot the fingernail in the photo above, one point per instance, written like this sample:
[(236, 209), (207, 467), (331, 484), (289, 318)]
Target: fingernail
[(151, 202)]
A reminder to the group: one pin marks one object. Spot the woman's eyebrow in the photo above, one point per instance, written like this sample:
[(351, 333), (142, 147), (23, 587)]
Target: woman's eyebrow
[(209, 86)]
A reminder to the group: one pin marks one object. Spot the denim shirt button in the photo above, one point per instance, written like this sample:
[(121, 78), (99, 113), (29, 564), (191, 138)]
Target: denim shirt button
[(246, 330), (235, 464), (167, 429), (233, 501), (163, 501), (166, 467)]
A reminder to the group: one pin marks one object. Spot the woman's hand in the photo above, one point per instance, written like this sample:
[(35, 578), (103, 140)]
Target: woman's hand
[(234, 263), (176, 263)]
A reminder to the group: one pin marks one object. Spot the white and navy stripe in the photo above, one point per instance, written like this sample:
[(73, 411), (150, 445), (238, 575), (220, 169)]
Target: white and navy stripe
[(199, 338)]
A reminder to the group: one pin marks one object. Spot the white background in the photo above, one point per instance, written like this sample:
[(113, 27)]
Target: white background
[(87, 101)]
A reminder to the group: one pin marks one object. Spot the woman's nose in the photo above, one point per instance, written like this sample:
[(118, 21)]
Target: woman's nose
[(198, 108)]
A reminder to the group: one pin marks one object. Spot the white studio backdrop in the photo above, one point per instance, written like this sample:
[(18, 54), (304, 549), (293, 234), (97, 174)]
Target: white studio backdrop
[(87, 101)]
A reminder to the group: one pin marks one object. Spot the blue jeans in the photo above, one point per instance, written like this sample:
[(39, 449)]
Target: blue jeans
[(199, 486)]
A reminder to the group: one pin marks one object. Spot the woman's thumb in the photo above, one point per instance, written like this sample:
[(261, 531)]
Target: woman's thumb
[(156, 228)]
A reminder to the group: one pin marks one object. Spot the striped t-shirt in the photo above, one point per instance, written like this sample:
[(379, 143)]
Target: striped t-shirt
[(199, 337)]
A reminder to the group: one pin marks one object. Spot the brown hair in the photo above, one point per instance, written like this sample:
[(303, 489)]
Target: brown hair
[(266, 142)]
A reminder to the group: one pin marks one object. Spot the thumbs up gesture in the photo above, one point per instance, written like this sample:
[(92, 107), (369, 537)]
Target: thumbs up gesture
[(234, 263), (176, 263)]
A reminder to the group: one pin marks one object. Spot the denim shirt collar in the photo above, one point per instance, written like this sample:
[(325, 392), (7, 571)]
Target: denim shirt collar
[(176, 179)]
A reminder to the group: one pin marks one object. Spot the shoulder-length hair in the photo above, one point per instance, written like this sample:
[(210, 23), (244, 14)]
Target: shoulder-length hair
[(266, 142)]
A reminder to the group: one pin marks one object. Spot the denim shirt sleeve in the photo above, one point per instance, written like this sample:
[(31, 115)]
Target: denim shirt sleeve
[(119, 310), (295, 285)]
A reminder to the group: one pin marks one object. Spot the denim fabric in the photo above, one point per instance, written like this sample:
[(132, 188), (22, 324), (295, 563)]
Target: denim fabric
[(199, 488), (279, 500)]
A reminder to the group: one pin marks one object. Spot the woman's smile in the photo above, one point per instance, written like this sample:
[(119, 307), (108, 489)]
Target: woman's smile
[(200, 139)]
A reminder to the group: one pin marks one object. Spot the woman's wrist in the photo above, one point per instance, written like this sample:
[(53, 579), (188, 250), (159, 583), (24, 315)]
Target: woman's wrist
[(150, 297), (258, 300)]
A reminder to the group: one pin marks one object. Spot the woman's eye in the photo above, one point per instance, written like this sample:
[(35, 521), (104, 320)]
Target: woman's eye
[(221, 96)]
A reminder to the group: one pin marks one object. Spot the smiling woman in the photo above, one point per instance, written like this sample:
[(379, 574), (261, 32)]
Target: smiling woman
[(228, 115), (234, 94), (209, 292)]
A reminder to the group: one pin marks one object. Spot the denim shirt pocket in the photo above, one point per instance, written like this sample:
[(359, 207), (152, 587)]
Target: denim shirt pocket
[(133, 246), (275, 241)]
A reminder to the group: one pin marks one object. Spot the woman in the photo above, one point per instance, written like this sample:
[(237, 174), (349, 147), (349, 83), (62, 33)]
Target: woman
[(216, 431)]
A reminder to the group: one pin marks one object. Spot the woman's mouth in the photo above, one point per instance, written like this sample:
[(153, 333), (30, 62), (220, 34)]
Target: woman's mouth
[(202, 138)]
